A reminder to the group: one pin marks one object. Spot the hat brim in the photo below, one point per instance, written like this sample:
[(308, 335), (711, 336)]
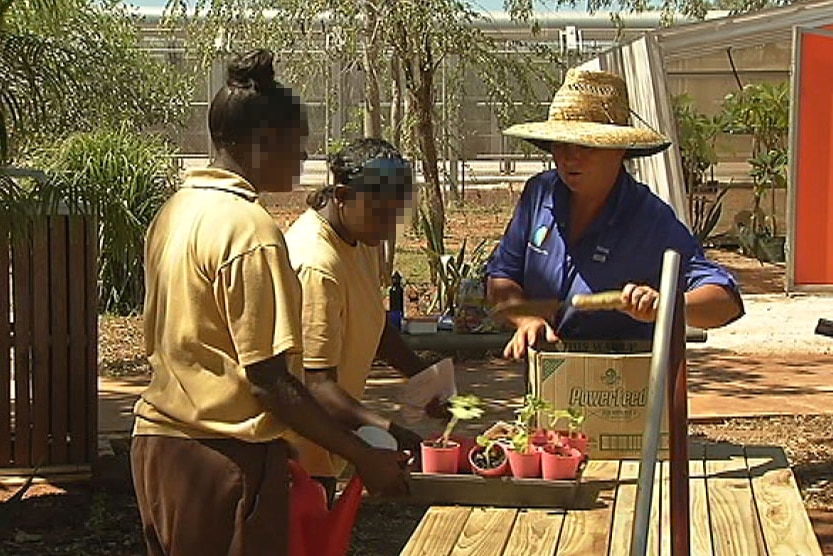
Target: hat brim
[(635, 141)]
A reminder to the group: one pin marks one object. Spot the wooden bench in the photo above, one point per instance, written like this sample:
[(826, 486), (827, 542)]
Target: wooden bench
[(744, 501)]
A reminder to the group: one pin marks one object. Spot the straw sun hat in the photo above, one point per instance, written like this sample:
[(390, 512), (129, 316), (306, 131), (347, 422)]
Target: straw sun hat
[(591, 109)]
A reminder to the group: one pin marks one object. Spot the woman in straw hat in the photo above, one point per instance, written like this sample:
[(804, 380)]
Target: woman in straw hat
[(588, 226)]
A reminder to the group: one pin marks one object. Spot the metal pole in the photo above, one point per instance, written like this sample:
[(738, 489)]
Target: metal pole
[(660, 360), (678, 434)]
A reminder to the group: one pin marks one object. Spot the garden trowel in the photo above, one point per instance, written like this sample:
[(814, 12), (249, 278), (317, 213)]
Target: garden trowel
[(546, 308)]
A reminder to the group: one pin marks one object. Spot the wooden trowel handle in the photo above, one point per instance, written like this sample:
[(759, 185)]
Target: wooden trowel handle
[(598, 301)]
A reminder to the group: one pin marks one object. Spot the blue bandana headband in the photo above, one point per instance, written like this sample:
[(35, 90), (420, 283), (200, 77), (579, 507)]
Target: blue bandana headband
[(385, 176)]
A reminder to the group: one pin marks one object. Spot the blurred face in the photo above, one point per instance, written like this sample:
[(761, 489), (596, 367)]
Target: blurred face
[(371, 217), (588, 171), (277, 158), (376, 199)]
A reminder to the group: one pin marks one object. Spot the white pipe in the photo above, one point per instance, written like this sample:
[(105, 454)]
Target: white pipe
[(660, 363)]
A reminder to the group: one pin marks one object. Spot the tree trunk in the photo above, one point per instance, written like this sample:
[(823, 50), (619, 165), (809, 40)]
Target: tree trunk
[(396, 113), (370, 61), (431, 198)]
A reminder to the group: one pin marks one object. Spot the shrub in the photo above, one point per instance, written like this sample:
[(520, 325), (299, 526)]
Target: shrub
[(122, 177)]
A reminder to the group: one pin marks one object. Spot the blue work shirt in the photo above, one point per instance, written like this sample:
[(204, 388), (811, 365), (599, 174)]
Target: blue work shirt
[(625, 243)]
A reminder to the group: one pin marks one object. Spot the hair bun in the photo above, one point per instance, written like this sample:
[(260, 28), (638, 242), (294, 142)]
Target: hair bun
[(252, 70)]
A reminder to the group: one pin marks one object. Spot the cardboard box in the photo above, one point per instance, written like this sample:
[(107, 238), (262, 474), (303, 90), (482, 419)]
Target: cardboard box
[(609, 382)]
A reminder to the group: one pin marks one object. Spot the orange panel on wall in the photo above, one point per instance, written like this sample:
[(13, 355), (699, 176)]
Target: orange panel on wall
[(812, 240)]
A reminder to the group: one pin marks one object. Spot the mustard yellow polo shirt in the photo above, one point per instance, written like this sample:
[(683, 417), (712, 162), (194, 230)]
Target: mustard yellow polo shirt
[(221, 295), (343, 316)]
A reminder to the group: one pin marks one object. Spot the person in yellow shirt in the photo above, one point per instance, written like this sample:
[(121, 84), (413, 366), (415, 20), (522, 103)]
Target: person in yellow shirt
[(222, 322), (333, 247)]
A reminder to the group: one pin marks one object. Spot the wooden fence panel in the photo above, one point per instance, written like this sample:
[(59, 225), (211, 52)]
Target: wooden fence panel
[(76, 272), (60, 338), (49, 344), (91, 317), (5, 353), (22, 311), (40, 343)]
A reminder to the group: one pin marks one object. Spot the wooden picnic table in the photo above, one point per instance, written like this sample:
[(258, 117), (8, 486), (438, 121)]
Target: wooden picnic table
[(744, 501)]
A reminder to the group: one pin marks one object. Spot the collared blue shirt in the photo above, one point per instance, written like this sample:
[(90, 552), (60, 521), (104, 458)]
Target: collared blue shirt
[(625, 243)]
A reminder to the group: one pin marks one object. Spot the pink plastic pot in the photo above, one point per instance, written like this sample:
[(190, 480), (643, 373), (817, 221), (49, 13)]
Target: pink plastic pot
[(466, 444), (540, 437), (498, 471), (577, 440), (440, 460), (525, 466), (560, 464)]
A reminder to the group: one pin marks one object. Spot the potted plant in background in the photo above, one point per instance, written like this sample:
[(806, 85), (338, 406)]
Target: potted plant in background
[(452, 270), (443, 455), (762, 111), (572, 435), (697, 133)]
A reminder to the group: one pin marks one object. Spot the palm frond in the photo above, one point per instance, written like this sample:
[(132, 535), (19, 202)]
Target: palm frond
[(33, 68)]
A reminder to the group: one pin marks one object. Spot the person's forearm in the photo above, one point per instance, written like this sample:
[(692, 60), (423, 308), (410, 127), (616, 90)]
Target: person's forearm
[(291, 403), (503, 290), (343, 407), (711, 306), (397, 354)]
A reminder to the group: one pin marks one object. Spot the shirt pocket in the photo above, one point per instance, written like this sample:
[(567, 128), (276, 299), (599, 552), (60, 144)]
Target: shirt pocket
[(532, 250)]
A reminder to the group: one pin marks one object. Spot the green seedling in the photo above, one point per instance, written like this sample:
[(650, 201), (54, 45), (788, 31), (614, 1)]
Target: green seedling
[(463, 407)]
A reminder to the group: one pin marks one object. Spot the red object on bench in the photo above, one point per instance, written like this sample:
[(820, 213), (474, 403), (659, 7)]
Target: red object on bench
[(315, 530)]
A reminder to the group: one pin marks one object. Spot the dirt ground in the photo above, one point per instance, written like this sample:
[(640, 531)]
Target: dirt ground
[(101, 517)]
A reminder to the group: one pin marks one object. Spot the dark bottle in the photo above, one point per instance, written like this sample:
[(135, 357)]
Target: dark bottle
[(396, 301)]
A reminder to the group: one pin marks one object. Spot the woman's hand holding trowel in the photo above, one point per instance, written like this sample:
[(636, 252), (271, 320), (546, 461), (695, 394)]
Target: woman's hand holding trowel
[(548, 308), (531, 316), (641, 302)]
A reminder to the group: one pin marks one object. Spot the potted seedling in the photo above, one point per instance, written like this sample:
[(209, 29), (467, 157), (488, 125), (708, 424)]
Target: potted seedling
[(574, 436), (488, 457), (524, 456), (443, 454), (559, 460)]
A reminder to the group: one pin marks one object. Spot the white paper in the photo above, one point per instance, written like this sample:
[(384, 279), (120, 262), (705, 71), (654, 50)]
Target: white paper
[(437, 381)]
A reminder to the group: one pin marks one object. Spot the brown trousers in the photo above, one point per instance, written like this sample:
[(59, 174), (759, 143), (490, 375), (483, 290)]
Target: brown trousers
[(212, 497)]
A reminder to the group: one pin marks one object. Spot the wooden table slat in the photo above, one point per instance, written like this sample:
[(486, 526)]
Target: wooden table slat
[(701, 532), (743, 501), (535, 533), (665, 511), (786, 526), (620, 538), (736, 530), (656, 500), (437, 533), (485, 533), (587, 532)]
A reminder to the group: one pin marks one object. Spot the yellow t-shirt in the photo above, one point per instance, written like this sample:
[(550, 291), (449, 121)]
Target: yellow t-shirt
[(220, 295), (342, 316)]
